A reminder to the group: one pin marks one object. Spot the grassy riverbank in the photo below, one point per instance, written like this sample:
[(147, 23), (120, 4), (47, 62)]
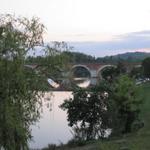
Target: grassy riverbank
[(134, 141)]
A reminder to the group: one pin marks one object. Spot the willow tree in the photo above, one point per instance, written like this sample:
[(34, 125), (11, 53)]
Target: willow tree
[(19, 96)]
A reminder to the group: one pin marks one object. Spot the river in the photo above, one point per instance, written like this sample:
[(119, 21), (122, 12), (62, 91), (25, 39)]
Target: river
[(52, 128)]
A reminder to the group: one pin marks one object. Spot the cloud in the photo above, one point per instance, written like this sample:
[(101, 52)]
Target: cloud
[(135, 41)]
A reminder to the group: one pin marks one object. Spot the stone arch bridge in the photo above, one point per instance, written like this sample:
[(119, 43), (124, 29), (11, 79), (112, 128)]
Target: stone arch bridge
[(83, 75), (94, 70)]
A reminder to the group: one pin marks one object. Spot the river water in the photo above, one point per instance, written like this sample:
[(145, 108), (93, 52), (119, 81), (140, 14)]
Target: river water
[(52, 128)]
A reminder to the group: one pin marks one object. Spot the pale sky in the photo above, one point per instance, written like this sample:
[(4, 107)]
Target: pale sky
[(80, 20), (85, 20)]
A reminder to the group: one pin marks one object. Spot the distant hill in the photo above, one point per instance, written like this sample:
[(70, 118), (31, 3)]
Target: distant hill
[(77, 57), (126, 57), (135, 55)]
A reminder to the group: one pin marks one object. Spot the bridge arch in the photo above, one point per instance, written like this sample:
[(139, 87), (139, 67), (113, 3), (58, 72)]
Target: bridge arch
[(99, 75), (79, 65), (82, 78)]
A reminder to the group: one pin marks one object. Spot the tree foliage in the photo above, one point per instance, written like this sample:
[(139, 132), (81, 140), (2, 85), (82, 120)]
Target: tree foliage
[(146, 67), (126, 104), (121, 68), (19, 86), (87, 112), (110, 105), (53, 64), (109, 73), (136, 72)]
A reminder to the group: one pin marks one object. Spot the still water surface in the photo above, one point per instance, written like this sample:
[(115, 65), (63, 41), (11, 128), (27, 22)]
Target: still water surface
[(53, 125)]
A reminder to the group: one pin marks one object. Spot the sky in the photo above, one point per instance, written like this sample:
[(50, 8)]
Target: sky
[(96, 27)]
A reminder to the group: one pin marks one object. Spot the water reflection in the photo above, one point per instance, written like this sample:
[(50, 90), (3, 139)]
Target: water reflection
[(53, 125), (80, 75), (84, 84)]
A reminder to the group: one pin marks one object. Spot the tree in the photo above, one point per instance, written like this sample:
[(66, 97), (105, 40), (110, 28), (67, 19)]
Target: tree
[(136, 72), (19, 86), (109, 73), (121, 68), (146, 67), (126, 104), (88, 112), (53, 65), (112, 105)]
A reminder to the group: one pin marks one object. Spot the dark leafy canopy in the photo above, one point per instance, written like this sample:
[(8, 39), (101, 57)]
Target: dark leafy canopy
[(121, 68), (87, 112), (136, 72), (109, 73), (19, 86), (146, 67)]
